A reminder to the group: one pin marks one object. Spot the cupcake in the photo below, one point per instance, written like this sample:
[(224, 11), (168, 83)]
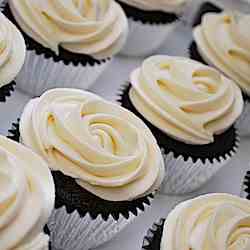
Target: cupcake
[(12, 54), (245, 191), (222, 40), (69, 43), (209, 222), (191, 110), (105, 162), (27, 197), (150, 22)]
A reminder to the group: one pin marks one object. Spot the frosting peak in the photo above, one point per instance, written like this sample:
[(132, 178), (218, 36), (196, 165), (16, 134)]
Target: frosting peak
[(223, 41), (187, 100), (210, 222), (26, 198), (92, 27), (108, 150), (12, 51)]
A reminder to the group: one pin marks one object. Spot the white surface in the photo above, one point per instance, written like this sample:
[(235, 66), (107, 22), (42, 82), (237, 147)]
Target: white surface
[(228, 180)]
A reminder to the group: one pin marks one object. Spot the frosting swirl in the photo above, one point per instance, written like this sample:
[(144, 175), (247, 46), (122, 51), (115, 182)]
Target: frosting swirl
[(162, 5), (107, 149), (224, 41), (91, 27), (12, 51), (185, 99), (26, 198), (210, 222)]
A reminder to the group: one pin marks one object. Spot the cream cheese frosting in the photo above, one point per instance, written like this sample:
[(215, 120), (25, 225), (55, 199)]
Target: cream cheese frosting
[(27, 196), (161, 5), (105, 148), (12, 51), (210, 222), (223, 40), (92, 27), (185, 99)]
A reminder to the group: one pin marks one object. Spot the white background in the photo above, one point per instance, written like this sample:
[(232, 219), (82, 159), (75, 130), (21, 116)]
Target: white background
[(228, 180)]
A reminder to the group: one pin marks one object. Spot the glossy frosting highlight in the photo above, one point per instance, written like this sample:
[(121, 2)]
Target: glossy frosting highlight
[(27, 196), (175, 6), (210, 222), (224, 41), (12, 51), (185, 99), (91, 27), (107, 149)]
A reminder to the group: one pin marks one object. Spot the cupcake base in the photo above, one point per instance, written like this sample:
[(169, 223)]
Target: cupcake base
[(188, 167), (82, 220), (6, 91), (245, 189), (152, 241), (43, 69)]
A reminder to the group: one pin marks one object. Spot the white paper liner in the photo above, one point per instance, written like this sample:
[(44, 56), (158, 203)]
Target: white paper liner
[(145, 39), (72, 232), (183, 177), (40, 74), (244, 186)]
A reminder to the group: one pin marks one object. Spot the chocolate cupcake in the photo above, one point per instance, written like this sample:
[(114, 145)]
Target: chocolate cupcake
[(245, 190), (27, 197), (69, 43), (211, 222), (105, 162), (12, 54), (150, 22), (222, 40), (191, 110)]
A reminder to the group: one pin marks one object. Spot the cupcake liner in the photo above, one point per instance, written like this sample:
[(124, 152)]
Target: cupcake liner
[(6, 91), (80, 220), (245, 189), (145, 38), (43, 69), (188, 167), (152, 241)]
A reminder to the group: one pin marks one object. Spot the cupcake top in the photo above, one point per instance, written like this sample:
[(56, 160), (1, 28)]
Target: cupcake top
[(185, 99), (91, 27), (210, 222), (27, 196), (223, 40), (162, 5), (105, 148), (12, 51)]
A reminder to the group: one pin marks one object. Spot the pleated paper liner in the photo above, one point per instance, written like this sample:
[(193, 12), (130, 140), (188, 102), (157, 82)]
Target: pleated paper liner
[(205, 8), (245, 190), (80, 218), (6, 91), (152, 241), (43, 69), (188, 167)]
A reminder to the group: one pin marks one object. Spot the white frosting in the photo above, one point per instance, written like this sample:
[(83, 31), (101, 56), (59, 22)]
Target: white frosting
[(210, 222), (107, 149), (12, 51), (185, 99), (224, 41), (27, 196), (92, 27), (162, 5)]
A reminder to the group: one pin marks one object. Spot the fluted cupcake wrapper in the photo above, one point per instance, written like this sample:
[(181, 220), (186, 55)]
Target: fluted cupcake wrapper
[(6, 90), (187, 167), (80, 223), (245, 188), (152, 240), (145, 38)]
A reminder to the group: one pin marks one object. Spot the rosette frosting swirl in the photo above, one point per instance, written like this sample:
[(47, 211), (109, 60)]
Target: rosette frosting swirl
[(161, 5), (224, 41), (105, 148), (26, 198), (91, 27), (185, 99), (12, 51), (210, 222)]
